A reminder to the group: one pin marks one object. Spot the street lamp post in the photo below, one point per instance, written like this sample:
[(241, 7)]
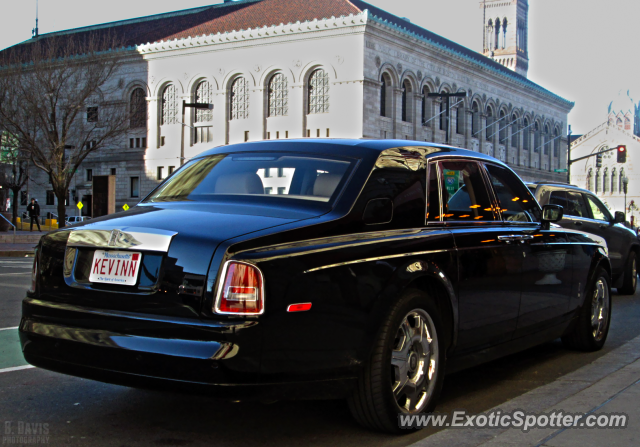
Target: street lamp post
[(193, 105), (569, 155), (625, 183)]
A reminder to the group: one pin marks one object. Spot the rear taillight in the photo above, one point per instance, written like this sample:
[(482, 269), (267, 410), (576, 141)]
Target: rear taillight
[(241, 290)]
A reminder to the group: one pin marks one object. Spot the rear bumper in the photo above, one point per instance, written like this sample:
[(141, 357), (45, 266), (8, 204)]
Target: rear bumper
[(217, 358)]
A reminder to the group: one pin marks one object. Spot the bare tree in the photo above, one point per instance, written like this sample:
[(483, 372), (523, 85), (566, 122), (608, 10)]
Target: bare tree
[(13, 169), (58, 98)]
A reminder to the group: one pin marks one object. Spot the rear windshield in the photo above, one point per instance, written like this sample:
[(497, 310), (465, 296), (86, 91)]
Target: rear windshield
[(258, 176)]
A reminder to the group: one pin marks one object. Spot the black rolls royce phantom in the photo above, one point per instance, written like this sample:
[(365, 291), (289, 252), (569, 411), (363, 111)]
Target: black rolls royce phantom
[(352, 269)]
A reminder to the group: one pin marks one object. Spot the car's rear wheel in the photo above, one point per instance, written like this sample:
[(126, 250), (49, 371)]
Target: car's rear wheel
[(405, 371), (591, 330), (630, 281)]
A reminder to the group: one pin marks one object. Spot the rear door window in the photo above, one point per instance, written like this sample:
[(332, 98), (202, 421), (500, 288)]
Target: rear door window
[(576, 205), (464, 193)]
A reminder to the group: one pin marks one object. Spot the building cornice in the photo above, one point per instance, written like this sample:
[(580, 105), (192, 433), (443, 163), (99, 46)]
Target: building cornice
[(252, 34), (437, 47)]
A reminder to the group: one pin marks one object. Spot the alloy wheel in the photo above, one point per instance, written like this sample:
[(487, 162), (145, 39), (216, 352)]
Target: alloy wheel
[(414, 361), (600, 309)]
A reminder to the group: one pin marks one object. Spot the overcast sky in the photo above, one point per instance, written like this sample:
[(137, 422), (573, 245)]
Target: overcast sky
[(582, 50)]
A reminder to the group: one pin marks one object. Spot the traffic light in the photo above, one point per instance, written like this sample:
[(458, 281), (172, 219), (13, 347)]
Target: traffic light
[(599, 161), (622, 153)]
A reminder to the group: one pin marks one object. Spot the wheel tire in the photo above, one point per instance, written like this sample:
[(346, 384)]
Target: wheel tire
[(630, 280), (400, 359), (592, 327)]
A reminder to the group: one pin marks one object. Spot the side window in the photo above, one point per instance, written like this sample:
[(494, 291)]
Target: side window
[(517, 204), (464, 193), (433, 194), (576, 205), (404, 186), (598, 210), (559, 198)]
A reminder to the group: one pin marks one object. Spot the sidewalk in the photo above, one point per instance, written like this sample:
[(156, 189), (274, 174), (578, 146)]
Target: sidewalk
[(25, 241), (610, 384)]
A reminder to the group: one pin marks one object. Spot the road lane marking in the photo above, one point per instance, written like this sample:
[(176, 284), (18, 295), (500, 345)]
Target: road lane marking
[(8, 328), (16, 368)]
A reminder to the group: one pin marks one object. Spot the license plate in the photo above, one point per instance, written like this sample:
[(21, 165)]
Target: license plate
[(115, 267)]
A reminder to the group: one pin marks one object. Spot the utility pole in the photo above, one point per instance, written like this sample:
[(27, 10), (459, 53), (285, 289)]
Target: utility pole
[(569, 155), (445, 96)]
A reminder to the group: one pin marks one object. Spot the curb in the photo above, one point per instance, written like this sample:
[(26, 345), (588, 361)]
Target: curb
[(580, 391)]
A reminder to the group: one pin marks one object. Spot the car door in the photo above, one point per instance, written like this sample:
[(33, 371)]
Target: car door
[(601, 224), (546, 276), (489, 269)]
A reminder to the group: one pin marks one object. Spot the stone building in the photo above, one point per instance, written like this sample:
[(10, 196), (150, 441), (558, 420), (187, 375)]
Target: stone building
[(277, 69), (606, 181)]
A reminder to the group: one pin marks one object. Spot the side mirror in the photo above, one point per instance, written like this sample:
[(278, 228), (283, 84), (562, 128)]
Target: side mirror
[(551, 213), (619, 217), (378, 211)]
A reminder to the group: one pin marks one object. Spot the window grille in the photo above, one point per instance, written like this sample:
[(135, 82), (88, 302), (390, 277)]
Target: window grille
[(319, 92), (239, 99), (278, 95)]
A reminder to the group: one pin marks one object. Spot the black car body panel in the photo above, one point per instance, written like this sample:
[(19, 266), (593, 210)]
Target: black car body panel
[(500, 286), (579, 215)]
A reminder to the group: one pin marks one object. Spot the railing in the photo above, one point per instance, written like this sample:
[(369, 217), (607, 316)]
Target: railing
[(14, 227)]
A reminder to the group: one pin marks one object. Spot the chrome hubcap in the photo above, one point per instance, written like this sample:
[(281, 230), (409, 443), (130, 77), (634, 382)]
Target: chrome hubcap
[(599, 309), (414, 361)]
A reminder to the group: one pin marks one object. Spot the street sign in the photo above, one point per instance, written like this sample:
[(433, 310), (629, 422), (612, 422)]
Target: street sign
[(80, 205), (559, 170), (125, 207)]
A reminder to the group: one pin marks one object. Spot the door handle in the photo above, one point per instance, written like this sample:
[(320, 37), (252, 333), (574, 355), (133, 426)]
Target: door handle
[(515, 238), (577, 223)]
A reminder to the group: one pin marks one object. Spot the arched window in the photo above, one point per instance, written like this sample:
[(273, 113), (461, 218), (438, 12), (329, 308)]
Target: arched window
[(489, 35), (475, 120), (138, 109), (589, 179), (536, 137), (442, 114), (406, 113), (605, 180), (278, 95), (459, 116), (497, 38), (489, 127), (204, 95), (556, 143), (613, 180), (170, 105), (383, 98), (239, 100), (425, 105), (547, 140), (514, 131), (319, 92), (526, 135), (627, 123), (619, 123), (502, 128), (597, 181), (504, 32), (611, 123)]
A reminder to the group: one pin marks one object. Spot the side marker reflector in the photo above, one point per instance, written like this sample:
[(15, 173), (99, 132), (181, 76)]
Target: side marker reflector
[(302, 307)]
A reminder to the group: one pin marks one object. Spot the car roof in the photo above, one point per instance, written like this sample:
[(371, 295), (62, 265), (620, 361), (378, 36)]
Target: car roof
[(558, 185), (344, 147)]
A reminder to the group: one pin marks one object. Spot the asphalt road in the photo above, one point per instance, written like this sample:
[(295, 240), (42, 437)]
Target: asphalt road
[(85, 413)]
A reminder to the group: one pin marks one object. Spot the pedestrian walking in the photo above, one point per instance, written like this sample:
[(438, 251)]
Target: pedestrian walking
[(34, 213)]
